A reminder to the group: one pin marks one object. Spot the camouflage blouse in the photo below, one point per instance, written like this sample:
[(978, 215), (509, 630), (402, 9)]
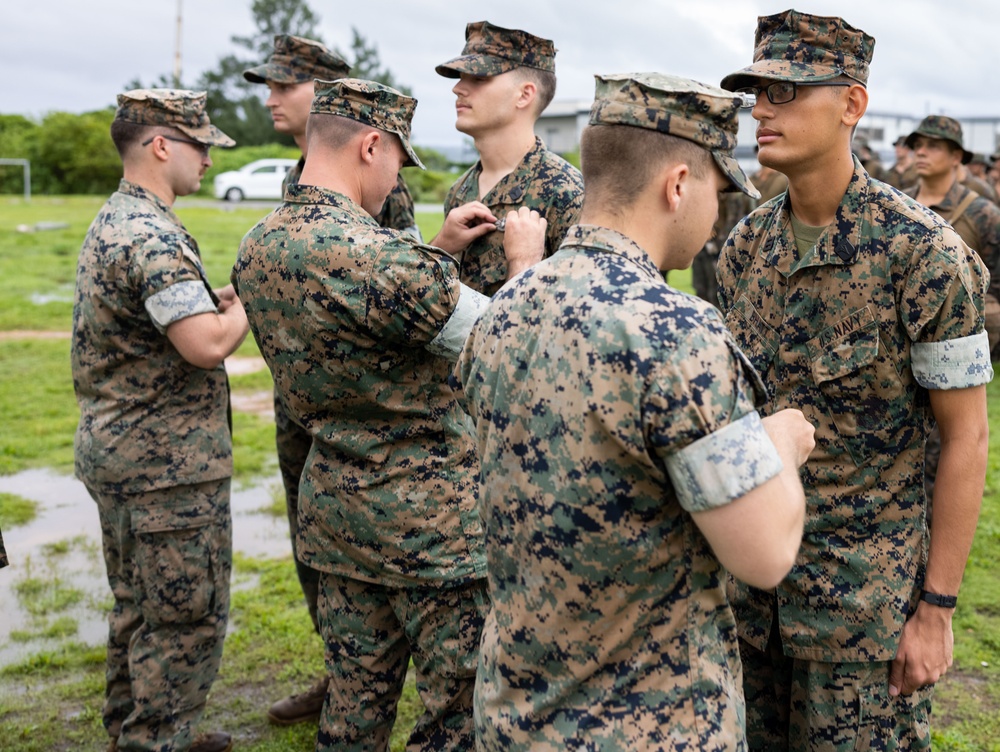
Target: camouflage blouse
[(543, 181), (148, 418), (608, 407), (887, 304), (342, 310)]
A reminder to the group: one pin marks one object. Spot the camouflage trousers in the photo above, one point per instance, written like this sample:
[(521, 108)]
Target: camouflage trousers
[(795, 705), (371, 632), (293, 443), (168, 554)]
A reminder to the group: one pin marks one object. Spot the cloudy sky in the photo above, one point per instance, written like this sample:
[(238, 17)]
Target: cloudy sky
[(73, 55)]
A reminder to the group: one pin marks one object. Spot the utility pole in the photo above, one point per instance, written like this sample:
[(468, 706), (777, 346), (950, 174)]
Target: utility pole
[(177, 49)]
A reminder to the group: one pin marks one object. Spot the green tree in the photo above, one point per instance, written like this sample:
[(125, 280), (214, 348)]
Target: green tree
[(17, 135), (74, 154)]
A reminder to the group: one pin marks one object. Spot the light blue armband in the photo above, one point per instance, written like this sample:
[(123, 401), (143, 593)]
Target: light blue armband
[(450, 340), (724, 465), (952, 364), (177, 302)]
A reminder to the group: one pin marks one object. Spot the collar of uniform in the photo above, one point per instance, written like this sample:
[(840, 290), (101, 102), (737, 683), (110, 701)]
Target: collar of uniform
[(839, 243), (594, 237), (514, 185), (137, 191), (951, 199), (314, 194)]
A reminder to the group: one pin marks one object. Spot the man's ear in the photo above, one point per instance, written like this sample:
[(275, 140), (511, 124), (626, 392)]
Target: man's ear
[(674, 180), (527, 94), (856, 105), (371, 142)]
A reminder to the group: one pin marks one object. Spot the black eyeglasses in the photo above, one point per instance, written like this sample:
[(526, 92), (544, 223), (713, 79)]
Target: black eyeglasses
[(203, 148), (779, 92)]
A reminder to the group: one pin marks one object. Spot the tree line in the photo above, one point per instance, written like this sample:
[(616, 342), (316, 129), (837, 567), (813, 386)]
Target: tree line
[(72, 153)]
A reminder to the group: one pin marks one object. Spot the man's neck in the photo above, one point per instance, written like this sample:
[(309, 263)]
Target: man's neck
[(500, 153), (149, 181), (817, 190), (933, 188), (300, 141)]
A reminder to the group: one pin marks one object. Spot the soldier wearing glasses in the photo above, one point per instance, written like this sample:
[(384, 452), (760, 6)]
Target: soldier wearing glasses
[(154, 446), (864, 310)]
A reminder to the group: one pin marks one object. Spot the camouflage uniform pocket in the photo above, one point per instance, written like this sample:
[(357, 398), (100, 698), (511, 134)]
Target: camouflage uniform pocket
[(174, 563), (859, 382), (758, 340)]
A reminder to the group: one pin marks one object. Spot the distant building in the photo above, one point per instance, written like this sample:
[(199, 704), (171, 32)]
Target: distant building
[(562, 123)]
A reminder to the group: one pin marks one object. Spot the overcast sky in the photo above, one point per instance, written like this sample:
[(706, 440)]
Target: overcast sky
[(76, 55)]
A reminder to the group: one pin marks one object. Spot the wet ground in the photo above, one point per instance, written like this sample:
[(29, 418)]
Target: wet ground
[(56, 581)]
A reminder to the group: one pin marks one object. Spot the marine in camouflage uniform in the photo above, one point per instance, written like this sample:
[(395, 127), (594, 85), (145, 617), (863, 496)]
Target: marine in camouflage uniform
[(939, 149), (153, 445), (868, 327), (903, 173), (542, 180), (611, 411), (354, 321), (289, 73)]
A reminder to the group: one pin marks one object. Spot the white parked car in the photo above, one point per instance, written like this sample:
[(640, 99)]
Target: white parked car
[(260, 179)]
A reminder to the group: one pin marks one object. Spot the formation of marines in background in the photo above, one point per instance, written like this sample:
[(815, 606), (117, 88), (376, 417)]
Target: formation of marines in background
[(590, 510)]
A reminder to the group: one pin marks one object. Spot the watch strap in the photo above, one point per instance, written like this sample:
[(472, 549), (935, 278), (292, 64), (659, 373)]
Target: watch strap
[(936, 599)]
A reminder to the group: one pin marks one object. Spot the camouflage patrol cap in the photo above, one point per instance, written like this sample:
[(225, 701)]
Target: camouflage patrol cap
[(981, 159), (491, 50), (794, 46), (704, 114), (370, 103), (297, 60), (173, 108), (941, 127)]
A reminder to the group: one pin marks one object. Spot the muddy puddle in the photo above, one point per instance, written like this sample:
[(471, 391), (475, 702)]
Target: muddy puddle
[(55, 587)]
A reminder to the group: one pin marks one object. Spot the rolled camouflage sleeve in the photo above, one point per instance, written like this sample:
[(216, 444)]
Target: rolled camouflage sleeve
[(412, 291), (701, 421), (943, 303)]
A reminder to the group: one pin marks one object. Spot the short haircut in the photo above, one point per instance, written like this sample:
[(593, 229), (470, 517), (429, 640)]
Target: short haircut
[(618, 161), (127, 136), (332, 131), (545, 83), (336, 131)]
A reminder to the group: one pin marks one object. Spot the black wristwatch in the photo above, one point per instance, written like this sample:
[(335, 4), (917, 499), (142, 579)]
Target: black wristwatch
[(935, 599)]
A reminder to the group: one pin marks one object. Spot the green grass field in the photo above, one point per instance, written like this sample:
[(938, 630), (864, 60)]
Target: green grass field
[(52, 700)]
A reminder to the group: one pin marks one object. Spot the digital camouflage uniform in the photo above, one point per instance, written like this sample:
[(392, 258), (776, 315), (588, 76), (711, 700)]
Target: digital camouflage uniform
[(886, 305), (297, 60), (154, 449), (977, 221), (608, 407), (543, 180), (342, 311)]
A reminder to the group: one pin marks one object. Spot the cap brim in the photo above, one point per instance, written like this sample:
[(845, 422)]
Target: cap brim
[(966, 155), (207, 134), (480, 66), (261, 74), (778, 70), (414, 160), (732, 170)]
